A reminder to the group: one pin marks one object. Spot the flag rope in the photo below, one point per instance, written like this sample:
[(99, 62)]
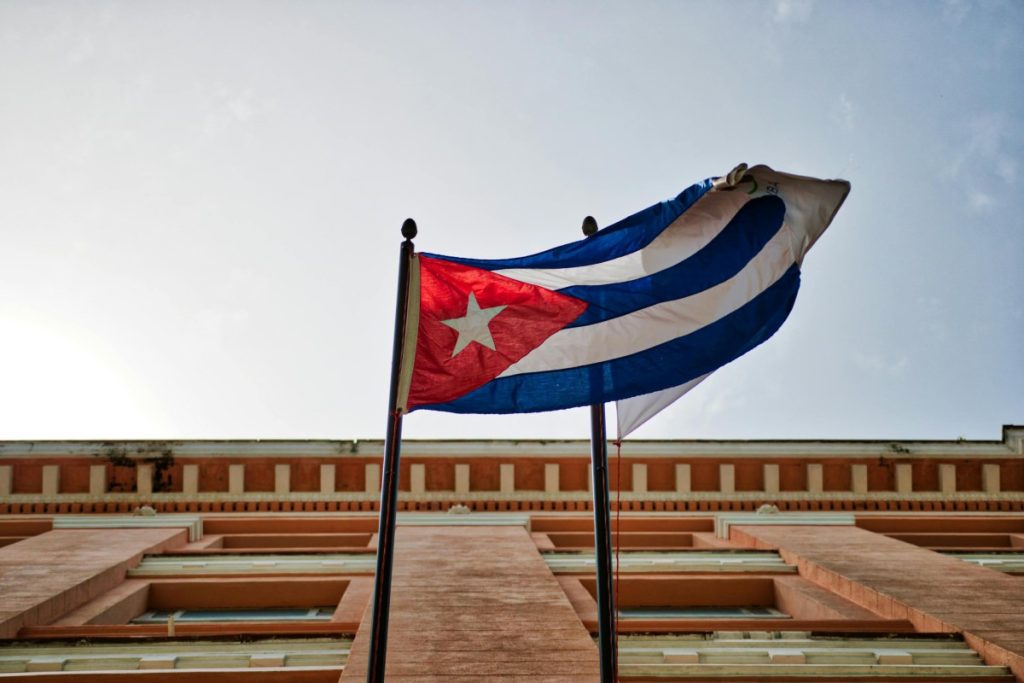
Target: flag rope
[(618, 545)]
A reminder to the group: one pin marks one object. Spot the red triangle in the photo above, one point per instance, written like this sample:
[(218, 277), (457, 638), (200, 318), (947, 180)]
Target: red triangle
[(531, 315)]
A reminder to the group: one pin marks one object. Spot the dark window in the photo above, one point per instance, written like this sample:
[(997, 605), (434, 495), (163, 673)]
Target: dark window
[(229, 614), (702, 613)]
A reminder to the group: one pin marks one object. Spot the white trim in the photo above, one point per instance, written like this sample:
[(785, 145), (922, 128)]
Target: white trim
[(519, 495), (282, 479), (462, 478), (371, 478), (805, 449), (464, 519), (236, 478), (144, 479), (297, 654), (729, 519), (51, 480), (97, 479), (771, 477), (767, 654), (668, 562), (507, 476), (194, 523), (6, 480), (990, 478)]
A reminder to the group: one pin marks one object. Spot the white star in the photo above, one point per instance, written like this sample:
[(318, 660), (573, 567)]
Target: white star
[(473, 327)]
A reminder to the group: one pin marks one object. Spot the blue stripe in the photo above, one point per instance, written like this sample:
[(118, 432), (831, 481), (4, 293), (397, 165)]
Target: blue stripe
[(741, 240), (624, 237), (667, 365)]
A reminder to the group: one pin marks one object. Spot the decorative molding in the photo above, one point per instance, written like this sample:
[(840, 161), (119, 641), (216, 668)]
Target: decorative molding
[(567, 496), (328, 474), (144, 479), (764, 655), (282, 479), (283, 653), (507, 474), (371, 485), (674, 562), (51, 480), (683, 484), (194, 523), (97, 479), (990, 478), (904, 478), (462, 478), (153, 566), (1006, 562), (417, 479), (815, 478), (1011, 446), (462, 519), (6, 480), (190, 479), (639, 477), (727, 478), (236, 478), (859, 478), (947, 478), (771, 478), (552, 478), (725, 520)]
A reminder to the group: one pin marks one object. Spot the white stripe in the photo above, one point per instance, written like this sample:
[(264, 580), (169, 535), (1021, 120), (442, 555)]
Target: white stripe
[(810, 207), (632, 412), (663, 322), (683, 238), (811, 204)]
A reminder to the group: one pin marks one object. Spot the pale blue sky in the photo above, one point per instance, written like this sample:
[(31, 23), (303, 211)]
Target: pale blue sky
[(200, 201)]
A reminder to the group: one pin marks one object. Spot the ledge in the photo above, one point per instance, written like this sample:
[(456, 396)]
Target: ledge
[(724, 521), (194, 523)]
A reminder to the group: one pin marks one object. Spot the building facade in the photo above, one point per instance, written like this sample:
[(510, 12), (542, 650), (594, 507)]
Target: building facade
[(737, 560)]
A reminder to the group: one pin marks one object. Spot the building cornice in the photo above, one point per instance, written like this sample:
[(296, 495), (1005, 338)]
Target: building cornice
[(1011, 446)]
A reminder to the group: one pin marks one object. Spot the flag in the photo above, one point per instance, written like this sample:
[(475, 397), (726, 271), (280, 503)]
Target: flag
[(638, 313)]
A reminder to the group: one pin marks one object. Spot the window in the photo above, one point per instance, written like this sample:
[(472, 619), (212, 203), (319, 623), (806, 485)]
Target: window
[(728, 612), (232, 614)]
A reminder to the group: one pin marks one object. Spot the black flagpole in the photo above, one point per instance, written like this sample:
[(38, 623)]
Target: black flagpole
[(602, 529), (389, 475)]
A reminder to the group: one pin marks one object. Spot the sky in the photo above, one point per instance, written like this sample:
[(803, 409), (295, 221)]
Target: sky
[(200, 202)]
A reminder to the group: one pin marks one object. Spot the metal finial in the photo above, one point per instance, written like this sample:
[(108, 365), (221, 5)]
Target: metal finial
[(409, 229), (589, 226)]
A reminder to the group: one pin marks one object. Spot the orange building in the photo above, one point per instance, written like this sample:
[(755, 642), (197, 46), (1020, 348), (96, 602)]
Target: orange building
[(253, 561)]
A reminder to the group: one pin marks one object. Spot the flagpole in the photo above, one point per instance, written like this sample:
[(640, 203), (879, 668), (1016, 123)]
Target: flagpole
[(389, 475), (602, 529)]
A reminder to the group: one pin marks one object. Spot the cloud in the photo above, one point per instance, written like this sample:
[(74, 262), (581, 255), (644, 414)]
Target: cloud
[(983, 163), (229, 109), (935, 318), (988, 142), (986, 132), (955, 11), (980, 201), (877, 363), (843, 112), (241, 109), (1006, 169), (792, 11)]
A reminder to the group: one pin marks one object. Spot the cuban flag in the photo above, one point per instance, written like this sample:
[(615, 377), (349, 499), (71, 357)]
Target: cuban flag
[(638, 313)]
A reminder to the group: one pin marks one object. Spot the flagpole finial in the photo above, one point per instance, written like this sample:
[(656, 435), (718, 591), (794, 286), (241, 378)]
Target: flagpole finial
[(409, 229), (589, 226)]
